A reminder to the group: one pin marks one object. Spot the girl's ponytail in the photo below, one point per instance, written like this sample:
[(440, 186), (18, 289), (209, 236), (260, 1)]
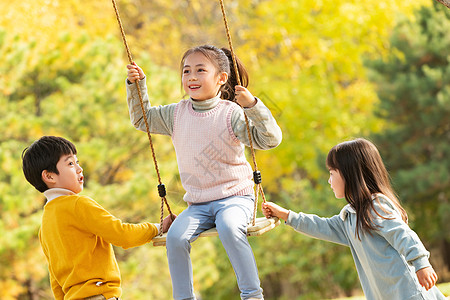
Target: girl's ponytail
[(228, 89)]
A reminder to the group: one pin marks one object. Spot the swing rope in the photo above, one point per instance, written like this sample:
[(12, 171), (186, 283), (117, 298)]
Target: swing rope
[(256, 173), (161, 186)]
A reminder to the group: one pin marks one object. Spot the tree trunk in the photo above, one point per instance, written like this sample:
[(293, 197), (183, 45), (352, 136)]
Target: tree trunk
[(445, 250), (31, 291)]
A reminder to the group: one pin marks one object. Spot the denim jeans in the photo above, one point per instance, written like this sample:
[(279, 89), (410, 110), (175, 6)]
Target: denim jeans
[(230, 216)]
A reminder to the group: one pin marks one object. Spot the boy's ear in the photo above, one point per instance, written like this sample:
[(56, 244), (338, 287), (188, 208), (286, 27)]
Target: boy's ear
[(48, 177), (223, 78)]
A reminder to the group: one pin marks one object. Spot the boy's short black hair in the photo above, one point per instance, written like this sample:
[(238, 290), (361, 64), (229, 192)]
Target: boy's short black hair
[(42, 155)]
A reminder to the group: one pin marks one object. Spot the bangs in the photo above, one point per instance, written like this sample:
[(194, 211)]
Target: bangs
[(215, 55), (331, 162), (68, 148)]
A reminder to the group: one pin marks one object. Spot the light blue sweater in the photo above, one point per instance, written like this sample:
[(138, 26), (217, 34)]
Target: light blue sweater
[(386, 261)]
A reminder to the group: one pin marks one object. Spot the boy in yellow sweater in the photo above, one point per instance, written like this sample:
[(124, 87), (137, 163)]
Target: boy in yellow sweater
[(77, 233)]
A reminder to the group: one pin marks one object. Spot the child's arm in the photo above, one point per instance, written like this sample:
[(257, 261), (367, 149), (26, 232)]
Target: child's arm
[(265, 132), (328, 229), (159, 118), (100, 222), (427, 277), (400, 236)]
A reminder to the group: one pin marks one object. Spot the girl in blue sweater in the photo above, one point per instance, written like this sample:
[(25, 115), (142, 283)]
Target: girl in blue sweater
[(391, 261)]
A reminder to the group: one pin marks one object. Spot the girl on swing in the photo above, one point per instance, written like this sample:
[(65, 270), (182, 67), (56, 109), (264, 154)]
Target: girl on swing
[(209, 134)]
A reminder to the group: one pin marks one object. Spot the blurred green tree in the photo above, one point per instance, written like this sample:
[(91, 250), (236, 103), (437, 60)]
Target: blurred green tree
[(70, 89), (66, 78), (413, 84)]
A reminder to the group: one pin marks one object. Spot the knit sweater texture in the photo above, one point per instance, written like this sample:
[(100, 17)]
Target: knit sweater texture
[(211, 160)]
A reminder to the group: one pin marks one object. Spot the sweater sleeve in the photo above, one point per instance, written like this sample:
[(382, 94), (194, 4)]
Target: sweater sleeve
[(159, 118), (265, 132), (399, 235), (327, 229), (101, 223)]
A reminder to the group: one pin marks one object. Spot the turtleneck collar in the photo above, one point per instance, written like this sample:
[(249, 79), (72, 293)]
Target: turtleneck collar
[(205, 105)]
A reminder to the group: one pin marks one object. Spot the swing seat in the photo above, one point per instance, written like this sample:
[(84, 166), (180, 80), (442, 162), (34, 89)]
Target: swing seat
[(262, 225)]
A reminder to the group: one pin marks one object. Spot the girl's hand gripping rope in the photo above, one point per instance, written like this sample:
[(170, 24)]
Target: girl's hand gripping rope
[(134, 73)]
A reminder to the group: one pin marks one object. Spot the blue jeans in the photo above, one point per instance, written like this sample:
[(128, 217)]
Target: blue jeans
[(230, 216)]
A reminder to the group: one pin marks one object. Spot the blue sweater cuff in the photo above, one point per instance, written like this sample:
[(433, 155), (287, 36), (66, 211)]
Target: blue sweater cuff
[(292, 217), (420, 263)]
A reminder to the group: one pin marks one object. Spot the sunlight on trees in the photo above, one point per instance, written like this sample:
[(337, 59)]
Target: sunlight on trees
[(63, 73)]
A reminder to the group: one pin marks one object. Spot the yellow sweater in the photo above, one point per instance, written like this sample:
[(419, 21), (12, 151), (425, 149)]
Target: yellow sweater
[(76, 237)]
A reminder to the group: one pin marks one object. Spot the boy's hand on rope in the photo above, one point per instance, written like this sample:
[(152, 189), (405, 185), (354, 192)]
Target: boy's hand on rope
[(167, 222), (244, 97), (134, 73), (270, 209)]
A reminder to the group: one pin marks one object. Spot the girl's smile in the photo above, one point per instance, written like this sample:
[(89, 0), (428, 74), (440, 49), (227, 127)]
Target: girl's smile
[(201, 80), (194, 86)]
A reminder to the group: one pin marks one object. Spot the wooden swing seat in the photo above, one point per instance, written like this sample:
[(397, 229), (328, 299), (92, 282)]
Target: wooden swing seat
[(262, 225)]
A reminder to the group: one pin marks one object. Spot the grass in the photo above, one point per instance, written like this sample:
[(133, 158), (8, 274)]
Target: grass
[(443, 287)]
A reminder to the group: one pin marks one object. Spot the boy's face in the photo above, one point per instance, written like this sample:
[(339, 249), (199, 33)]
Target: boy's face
[(70, 175)]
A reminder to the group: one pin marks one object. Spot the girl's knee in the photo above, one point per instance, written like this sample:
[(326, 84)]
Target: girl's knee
[(176, 241), (232, 231)]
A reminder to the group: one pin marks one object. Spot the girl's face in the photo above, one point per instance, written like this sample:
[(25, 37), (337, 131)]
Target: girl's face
[(337, 183), (200, 79)]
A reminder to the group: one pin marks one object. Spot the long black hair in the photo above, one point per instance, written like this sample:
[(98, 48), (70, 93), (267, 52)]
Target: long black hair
[(364, 173)]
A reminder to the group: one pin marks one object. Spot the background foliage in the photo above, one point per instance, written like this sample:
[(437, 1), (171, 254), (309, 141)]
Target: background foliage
[(414, 89), (63, 73)]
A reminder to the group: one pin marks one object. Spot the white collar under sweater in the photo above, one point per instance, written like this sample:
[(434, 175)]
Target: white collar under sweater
[(54, 193)]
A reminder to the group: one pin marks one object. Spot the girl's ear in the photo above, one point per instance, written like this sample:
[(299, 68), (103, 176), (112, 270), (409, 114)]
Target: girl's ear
[(48, 177), (223, 78)]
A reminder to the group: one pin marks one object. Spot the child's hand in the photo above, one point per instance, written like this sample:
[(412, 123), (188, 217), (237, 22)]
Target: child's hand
[(134, 73), (244, 97), (167, 222), (427, 277), (270, 209)]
